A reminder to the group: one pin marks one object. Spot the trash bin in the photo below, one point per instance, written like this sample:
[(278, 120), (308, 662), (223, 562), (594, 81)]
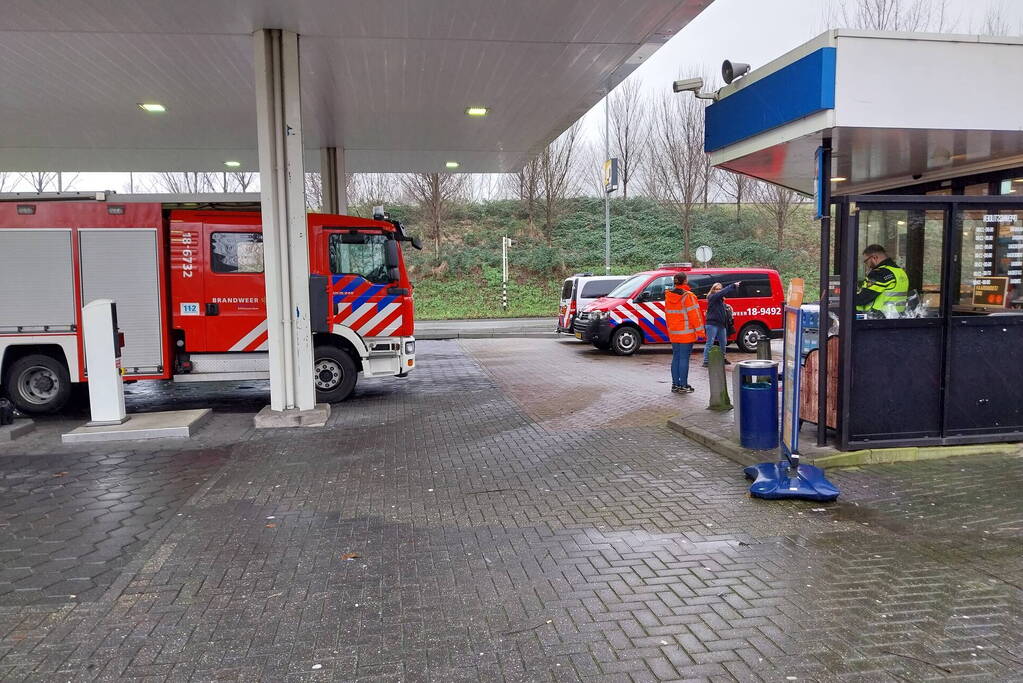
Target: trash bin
[(757, 404)]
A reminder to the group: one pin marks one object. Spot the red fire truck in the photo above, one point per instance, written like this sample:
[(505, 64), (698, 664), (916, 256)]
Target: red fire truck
[(189, 288)]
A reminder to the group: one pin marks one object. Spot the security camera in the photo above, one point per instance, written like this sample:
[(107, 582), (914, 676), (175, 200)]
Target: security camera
[(688, 85)]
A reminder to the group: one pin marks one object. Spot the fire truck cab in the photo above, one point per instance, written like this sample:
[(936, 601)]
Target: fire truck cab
[(189, 289)]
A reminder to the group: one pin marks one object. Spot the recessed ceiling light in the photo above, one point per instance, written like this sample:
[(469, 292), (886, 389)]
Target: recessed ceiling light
[(476, 111), (233, 164), (451, 164), (839, 179), (152, 107)]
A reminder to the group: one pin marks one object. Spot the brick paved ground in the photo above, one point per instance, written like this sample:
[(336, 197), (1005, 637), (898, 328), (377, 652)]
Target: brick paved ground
[(457, 526)]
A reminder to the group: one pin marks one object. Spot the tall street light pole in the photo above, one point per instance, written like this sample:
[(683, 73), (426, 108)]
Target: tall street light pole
[(607, 195)]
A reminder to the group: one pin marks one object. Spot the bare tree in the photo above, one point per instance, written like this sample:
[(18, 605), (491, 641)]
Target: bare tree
[(524, 186), (189, 182), (590, 169), (678, 162), (374, 188), (39, 180), (8, 181), (891, 15), (710, 178), (778, 205), (555, 173), (240, 181), (737, 186), (996, 21), (628, 113), (313, 192), (434, 193)]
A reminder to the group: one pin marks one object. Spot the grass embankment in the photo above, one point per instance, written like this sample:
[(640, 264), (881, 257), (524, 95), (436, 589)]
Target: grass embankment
[(463, 280)]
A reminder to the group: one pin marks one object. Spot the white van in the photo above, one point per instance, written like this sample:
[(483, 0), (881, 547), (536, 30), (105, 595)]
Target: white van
[(580, 290)]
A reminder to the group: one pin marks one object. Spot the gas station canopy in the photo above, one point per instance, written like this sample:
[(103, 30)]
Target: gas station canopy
[(900, 109), (388, 81)]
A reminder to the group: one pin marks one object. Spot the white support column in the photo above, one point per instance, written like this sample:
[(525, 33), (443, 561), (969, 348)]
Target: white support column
[(285, 242), (332, 180)]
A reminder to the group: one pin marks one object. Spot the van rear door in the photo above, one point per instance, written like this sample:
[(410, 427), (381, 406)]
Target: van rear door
[(566, 311)]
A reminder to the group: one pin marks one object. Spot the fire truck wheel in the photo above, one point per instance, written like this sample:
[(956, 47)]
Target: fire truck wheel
[(748, 337), (625, 341), (38, 384), (335, 374)]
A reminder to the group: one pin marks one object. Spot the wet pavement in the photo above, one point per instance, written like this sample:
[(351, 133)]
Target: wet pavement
[(514, 510)]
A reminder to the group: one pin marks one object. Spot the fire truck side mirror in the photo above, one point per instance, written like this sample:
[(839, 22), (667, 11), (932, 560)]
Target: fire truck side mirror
[(391, 257), (416, 244), (392, 260)]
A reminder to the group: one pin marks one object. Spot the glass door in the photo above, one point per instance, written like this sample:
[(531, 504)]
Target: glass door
[(895, 349)]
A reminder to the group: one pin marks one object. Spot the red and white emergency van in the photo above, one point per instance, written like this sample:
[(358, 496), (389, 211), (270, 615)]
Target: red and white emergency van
[(633, 314), (189, 289)]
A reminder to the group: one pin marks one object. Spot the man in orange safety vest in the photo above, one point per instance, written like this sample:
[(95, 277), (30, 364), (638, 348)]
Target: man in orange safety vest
[(682, 312)]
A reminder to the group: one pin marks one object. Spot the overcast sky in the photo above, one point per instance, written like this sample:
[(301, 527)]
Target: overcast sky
[(753, 31), (757, 31)]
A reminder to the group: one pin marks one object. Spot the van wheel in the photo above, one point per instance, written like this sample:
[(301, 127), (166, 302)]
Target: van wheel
[(625, 341), (749, 335), (38, 384), (334, 373)]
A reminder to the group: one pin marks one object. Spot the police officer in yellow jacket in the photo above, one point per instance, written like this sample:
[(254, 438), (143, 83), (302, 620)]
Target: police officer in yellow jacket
[(682, 313), (886, 288)]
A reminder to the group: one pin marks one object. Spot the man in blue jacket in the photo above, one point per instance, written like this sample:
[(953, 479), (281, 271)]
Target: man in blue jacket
[(717, 319)]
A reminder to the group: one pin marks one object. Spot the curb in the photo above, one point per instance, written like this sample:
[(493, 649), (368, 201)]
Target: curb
[(718, 444), (884, 456), (875, 456), (21, 427)]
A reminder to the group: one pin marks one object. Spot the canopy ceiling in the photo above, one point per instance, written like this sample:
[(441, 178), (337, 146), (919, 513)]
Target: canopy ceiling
[(387, 80)]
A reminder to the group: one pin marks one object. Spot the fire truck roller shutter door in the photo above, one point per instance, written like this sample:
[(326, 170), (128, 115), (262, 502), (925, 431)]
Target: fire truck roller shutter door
[(36, 281), (123, 265)]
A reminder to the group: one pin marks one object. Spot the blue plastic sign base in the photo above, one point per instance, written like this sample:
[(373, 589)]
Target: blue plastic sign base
[(774, 481)]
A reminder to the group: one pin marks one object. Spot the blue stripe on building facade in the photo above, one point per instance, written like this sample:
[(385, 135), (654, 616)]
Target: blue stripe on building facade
[(805, 87)]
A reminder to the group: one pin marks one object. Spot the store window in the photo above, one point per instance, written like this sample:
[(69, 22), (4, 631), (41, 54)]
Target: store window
[(989, 280), (900, 276), (236, 252), (365, 258)]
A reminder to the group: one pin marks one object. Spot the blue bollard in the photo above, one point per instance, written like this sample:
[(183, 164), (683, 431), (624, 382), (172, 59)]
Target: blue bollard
[(758, 412)]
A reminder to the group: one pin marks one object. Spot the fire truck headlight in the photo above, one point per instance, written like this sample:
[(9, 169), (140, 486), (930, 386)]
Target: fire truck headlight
[(410, 348), (603, 315)]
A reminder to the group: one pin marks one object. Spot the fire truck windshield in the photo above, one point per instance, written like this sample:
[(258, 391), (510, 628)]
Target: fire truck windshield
[(367, 259), (624, 290)]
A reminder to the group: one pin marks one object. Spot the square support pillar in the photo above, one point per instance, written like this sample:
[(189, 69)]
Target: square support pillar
[(285, 239), (332, 180)]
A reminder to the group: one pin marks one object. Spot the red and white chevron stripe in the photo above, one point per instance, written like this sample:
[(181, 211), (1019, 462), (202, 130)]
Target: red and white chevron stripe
[(253, 340), (370, 321)]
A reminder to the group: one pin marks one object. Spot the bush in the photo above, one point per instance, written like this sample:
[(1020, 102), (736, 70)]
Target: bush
[(464, 280)]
